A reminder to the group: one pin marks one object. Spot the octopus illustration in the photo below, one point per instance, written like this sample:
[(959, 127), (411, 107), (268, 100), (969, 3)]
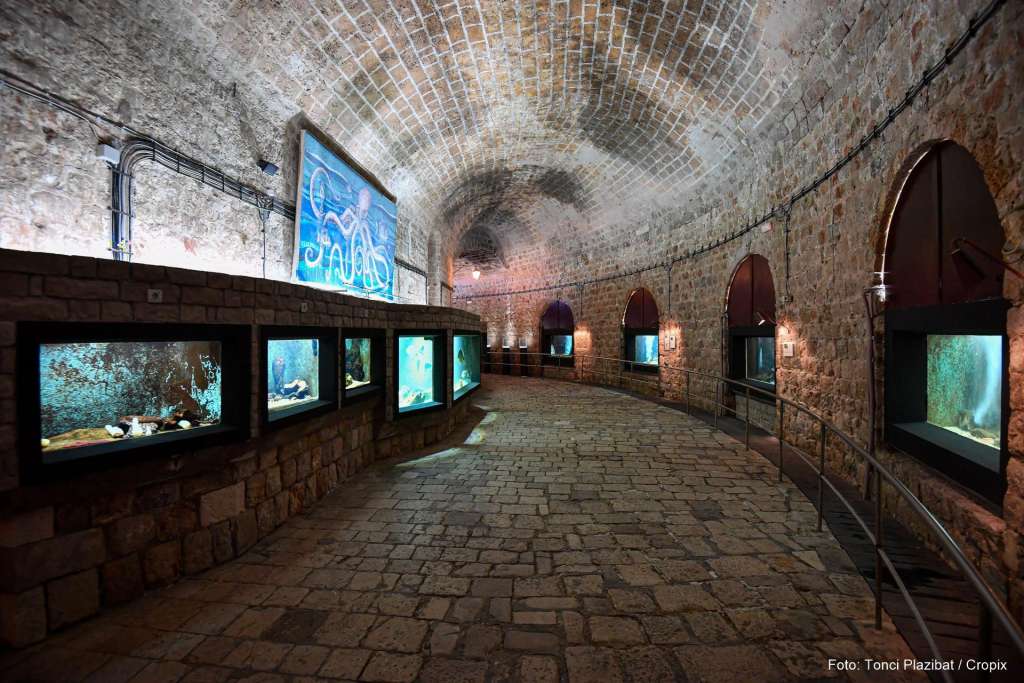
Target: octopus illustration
[(358, 259)]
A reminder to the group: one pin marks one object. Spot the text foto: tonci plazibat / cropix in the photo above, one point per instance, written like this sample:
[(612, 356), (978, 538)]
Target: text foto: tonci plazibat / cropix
[(917, 665)]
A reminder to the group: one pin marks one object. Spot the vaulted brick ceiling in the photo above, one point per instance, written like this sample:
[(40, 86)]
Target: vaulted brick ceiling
[(536, 120)]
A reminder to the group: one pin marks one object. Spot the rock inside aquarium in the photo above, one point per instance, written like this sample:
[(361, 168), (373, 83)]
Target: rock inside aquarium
[(115, 432), (44, 442), (410, 397), (184, 424), (296, 389), (175, 421), (136, 428), (142, 419)]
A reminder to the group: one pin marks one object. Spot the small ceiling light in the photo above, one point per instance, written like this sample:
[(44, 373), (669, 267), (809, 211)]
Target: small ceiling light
[(268, 167), (476, 274)]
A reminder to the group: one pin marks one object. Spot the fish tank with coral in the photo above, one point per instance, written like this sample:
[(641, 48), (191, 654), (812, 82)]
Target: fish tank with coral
[(90, 394), (645, 350), (465, 364), (560, 345), (418, 363), (293, 374), (96, 393), (965, 385), (760, 359), (358, 362)]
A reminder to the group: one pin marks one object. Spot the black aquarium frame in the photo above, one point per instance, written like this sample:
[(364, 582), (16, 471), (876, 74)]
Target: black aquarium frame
[(553, 359), (440, 371), (327, 337), (738, 337), (236, 379), (378, 362), (906, 393), (629, 362), (480, 339)]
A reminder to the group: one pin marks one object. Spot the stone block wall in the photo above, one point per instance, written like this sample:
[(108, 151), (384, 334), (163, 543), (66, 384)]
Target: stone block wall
[(68, 547)]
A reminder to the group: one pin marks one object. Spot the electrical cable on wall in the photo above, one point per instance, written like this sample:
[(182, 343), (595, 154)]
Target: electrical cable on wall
[(785, 209)]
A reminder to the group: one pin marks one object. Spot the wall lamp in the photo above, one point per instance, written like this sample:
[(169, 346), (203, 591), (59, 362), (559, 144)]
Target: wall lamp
[(763, 319), (476, 274), (971, 273)]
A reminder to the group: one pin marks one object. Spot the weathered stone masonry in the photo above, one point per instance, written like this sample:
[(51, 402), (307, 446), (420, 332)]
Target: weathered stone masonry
[(69, 547)]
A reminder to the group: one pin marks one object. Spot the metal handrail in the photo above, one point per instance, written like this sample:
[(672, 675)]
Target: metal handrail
[(992, 606)]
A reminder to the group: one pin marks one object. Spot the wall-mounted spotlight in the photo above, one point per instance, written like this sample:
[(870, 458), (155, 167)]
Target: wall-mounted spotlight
[(476, 274), (267, 167), (969, 272)]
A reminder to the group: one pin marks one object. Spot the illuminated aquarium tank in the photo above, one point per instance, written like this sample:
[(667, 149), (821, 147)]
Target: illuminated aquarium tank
[(293, 373), (646, 350), (100, 392), (761, 359), (965, 385), (415, 363), (561, 345), (357, 363), (465, 363)]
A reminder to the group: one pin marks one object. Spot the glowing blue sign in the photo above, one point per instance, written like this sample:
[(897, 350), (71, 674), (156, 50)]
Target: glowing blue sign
[(344, 227)]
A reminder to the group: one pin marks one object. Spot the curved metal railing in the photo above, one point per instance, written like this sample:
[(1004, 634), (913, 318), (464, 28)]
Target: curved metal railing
[(992, 607)]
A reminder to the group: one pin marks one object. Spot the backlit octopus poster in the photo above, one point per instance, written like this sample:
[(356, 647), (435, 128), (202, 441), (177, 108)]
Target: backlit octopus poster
[(344, 227)]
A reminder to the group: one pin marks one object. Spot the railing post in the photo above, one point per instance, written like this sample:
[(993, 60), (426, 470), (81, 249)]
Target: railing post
[(782, 432), (821, 475), (718, 402), (687, 393), (878, 549), (746, 421)]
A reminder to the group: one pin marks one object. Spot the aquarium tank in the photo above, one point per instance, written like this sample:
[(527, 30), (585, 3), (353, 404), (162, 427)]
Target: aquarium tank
[(465, 363), (97, 393), (645, 349), (293, 374), (761, 359), (358, 370), (561, 345), (415, 365), (965, 385)]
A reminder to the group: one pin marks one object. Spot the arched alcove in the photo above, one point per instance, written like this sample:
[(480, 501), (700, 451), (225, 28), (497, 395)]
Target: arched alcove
[(946, 348), (640, 326), (750, 317), (557, 326)]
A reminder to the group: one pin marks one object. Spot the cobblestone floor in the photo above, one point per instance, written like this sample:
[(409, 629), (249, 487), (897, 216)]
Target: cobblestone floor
[(577, 535)]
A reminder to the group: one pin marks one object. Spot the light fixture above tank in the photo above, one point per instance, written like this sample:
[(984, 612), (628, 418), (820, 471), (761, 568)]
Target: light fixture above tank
[(268, 167)]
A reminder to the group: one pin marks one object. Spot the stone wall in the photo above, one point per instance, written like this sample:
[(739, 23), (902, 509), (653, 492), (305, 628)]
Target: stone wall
[(825, 254), (69, 547), (158, 73)]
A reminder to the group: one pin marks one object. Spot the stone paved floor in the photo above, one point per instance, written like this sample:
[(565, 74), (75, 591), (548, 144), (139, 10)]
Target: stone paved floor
[(578, 535)]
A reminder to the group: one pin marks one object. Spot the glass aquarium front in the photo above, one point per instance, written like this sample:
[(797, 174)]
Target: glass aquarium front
[(761, 359), (466, 365), (95, 393), (561, 345), (293, 374), (358, 370), (415, 363), (645, 350), (965, 385)]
